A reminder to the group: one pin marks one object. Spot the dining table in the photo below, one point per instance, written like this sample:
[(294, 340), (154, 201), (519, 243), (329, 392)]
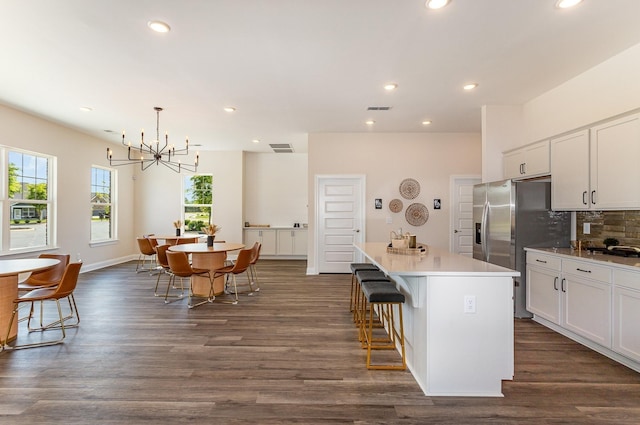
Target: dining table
[(173, 239), (207, 257), (9, 274)]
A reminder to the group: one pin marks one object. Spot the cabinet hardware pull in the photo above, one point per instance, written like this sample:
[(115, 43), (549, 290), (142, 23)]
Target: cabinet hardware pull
[(584, 271), (584, 194), (541, 261), (562, 285), (555, 283), (593, 195), (524, 168)]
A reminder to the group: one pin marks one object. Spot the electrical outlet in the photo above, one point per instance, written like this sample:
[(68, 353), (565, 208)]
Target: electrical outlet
[(469, 303), (389, 220), (586, 228)]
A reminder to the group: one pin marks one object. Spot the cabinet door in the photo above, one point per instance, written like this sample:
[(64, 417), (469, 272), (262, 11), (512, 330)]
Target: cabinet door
[(615, 149), (570, 172), (587, 308), (626, 316), (543, 295), (513, 163), (285, 242), (300, 242), (537, 161), (268, 242), (251, 237)]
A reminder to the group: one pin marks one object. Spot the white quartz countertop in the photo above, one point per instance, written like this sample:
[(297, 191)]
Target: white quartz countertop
[(435, 262), (632, 263)]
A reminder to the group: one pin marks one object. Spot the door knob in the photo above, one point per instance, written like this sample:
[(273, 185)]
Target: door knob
[(456, 231), (356, 230)]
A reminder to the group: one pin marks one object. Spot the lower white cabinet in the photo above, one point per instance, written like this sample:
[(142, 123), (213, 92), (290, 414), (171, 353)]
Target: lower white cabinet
[(284, 242), (292, 242), (626, 314), (594, 302), (573, 294), (267, 237)]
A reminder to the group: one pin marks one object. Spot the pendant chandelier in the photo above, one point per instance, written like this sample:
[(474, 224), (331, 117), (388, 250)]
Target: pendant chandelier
[(147, 154)]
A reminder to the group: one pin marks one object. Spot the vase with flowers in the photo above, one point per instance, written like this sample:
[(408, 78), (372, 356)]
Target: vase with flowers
[(177, 224), (210, 230)]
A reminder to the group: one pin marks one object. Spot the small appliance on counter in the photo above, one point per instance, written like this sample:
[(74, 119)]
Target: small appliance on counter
[(619, 250)]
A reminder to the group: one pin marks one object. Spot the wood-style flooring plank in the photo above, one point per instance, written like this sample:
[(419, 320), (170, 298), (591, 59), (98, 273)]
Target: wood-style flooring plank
[(288, 354)]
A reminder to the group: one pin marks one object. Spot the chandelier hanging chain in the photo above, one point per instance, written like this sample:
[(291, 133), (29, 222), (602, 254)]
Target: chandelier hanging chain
[(150, 154)]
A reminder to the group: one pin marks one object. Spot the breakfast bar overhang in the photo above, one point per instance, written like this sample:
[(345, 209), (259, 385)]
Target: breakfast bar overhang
[(458, 319)]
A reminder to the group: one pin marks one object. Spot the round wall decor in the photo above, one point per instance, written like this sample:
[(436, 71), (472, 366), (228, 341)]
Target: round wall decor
[(416, 214), (409, 188), (395, 205)]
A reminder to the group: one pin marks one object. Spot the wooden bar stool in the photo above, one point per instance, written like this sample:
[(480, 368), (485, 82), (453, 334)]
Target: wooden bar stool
[(363, 276), (387, 297), (355, 288)]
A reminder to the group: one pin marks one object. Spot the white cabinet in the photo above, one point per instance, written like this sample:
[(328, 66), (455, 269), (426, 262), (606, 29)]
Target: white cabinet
[(615, 149), (626, 314), (527, 161), (586, 308), (543, 286), (292, 242), (267, 237), (597, 168), (573, 294), (570, 171)]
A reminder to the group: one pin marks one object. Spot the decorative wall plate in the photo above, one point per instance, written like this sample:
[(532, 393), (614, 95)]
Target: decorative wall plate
[(416, 214), (395, 205), (409, 188)]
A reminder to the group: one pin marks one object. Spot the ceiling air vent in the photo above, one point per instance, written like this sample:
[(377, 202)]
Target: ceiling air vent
[(281, 147), (378, 108)]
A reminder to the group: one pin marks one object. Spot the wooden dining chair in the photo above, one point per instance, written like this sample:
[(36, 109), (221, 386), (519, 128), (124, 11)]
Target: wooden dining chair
[(239, 266), (64, 289), (180, 267), (163, 262), (146, 253)]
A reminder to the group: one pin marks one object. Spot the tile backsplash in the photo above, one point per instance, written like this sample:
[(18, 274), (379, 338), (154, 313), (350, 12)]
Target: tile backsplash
[(621, 225)]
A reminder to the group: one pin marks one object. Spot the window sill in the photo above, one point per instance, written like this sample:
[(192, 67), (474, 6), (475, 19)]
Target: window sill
[(103, 243)]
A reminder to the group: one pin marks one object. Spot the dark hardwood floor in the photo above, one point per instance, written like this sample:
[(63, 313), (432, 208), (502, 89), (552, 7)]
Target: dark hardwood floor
[(288, 355)]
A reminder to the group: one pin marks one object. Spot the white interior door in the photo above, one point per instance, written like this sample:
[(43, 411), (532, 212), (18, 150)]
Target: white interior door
[(462, 215), (340, 221)]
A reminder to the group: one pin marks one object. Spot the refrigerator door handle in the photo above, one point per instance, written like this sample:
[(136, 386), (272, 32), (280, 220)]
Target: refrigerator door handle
[(485, 231)]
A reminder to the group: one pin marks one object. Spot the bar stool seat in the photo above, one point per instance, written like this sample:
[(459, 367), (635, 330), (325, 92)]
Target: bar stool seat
[(364, 276), (355, 287), (388, 298)]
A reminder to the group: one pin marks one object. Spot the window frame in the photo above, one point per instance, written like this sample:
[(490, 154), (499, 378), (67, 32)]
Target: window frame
[(113, 206), (6, 202), (184, 204)]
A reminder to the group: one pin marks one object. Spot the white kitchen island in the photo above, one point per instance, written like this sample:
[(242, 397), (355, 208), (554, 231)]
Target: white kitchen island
[(458, 319)]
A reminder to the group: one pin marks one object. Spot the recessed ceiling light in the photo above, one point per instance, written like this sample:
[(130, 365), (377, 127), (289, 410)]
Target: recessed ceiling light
[(436, 4), (470, 86), (159, 26), (256, 141), (390, 86), (426, 122), (370, 122), (565, 4), (86, 109), (229, 109)]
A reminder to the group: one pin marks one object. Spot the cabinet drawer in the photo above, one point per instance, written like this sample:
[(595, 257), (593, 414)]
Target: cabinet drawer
[(542, 260), (586, 270), (627, 279)]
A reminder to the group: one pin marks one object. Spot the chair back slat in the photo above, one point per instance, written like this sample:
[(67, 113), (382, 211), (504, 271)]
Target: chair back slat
[(69, 281), (179, 264)]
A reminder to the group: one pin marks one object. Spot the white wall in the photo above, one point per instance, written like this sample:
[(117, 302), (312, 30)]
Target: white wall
[(386, 159), (76, 152), (275, 189), (158, 200), (502, 129)]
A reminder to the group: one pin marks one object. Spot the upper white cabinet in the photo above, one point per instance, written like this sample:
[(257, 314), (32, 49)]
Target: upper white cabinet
[(615, 150), (570, 171), (597, 168), (527, 161)]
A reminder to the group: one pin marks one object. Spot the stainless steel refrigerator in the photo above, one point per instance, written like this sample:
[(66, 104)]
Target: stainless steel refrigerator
[(509, 216)]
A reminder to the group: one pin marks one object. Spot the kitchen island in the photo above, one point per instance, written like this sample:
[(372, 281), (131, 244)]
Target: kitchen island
[(458, 319)]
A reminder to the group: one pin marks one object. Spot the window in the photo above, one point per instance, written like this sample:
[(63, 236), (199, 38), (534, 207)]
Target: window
[(29, 197), (102, 204), (197, 201)]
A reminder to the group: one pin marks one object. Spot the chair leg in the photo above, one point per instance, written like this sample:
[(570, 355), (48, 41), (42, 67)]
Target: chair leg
[(36, 344)]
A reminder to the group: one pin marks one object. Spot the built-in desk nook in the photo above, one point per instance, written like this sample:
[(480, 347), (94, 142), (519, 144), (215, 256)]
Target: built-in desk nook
[(458, 319)]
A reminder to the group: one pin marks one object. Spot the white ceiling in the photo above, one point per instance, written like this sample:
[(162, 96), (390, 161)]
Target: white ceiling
[(293, 67)]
